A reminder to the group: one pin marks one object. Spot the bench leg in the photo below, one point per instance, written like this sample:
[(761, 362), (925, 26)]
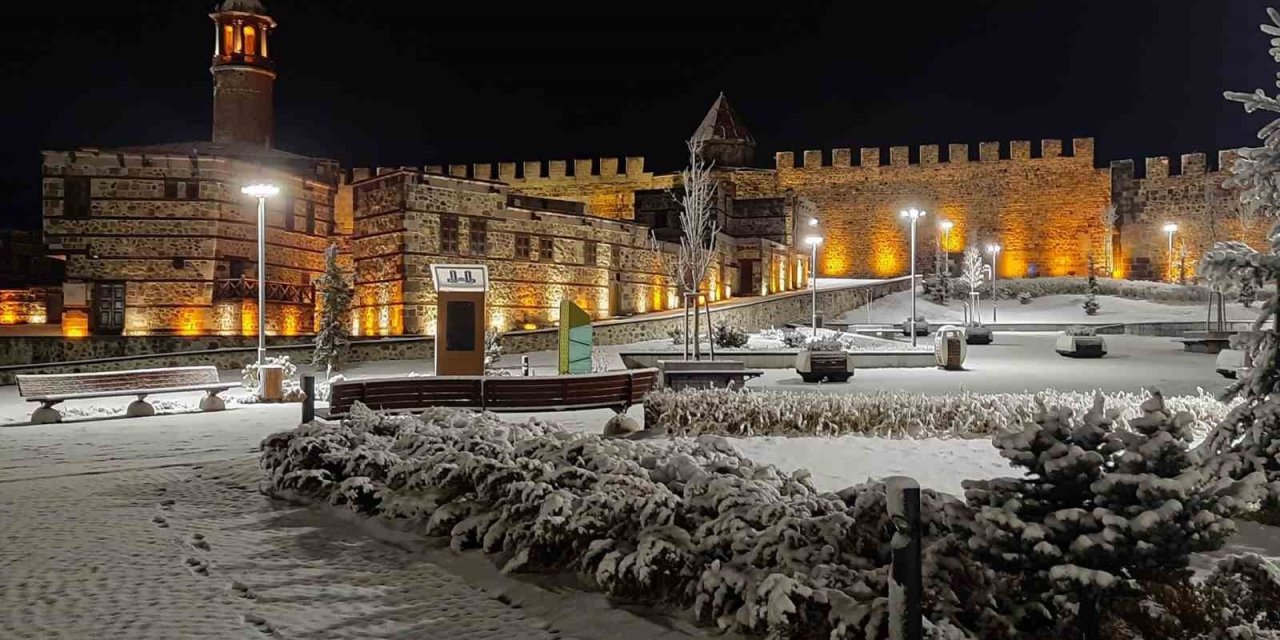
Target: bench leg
[(212, 402), (140, 408), (46, 414)]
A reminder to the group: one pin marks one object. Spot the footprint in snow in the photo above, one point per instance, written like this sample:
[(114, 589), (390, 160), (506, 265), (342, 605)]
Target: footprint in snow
[(258, 623), (197, 541), (242, 590), (161, 522), (197, 566), (165, 504)]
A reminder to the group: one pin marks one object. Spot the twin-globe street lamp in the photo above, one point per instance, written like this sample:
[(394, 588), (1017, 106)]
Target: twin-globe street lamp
[(813, 240), (913, 215), (262, 192)]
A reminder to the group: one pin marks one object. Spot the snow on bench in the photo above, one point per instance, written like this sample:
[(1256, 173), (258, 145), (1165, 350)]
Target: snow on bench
[(614, 390), (52, 389)]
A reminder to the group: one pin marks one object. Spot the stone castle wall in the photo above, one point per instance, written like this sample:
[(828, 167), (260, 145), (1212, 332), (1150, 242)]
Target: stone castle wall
[(169, 227), (1042, 206), (1190, 195)]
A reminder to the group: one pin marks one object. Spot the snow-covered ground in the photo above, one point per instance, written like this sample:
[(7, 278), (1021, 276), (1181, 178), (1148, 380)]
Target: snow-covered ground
[(1059, 309)]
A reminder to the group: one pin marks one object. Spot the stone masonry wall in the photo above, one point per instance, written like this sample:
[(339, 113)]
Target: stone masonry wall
[(1045, 211), (1191, 196), (170, 226)]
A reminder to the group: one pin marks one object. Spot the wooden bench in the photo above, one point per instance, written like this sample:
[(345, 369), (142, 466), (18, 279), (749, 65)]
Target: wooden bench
[(616, 390), (52, 389)]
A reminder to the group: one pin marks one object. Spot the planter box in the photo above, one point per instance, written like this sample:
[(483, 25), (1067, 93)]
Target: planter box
[(978, 334), (816, 366), (786, 359), (1230, 363), (922, 328), (1081, 346), (704, 374)]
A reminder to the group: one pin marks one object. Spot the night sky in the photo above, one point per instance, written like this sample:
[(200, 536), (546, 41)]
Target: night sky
[(379, 82)]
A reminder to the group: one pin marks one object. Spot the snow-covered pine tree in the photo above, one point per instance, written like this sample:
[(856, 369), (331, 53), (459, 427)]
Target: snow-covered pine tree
[(1248, 440), (1098, 508), (334, 332), (1091, 299)]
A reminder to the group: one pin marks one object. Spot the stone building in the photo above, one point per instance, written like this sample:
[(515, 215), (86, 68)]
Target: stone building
[(158, 239)]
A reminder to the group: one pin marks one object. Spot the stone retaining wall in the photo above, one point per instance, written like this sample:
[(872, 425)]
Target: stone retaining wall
[(51, 354)]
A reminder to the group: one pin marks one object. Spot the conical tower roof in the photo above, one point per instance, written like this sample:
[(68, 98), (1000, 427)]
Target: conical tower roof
[(247, 6), (722, 124)]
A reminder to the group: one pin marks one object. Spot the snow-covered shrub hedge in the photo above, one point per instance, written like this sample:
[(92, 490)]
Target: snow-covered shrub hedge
[(824, 344), (1011, 288), (1081, 331), (249, 376), (687, 523), (890, 414)]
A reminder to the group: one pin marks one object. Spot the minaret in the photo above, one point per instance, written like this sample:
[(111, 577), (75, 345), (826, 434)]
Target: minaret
[(244, 75), (726, 140)]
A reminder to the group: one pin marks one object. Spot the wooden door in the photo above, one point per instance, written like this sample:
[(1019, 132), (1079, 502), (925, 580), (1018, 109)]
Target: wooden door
[(108, 307)]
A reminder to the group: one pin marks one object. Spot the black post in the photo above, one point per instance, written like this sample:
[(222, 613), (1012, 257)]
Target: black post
[(905, 592), (1090, 621), (309, 399)]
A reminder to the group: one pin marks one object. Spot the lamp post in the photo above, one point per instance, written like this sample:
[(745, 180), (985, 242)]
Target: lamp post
[(813, 241), (994, 250), (262, 192), (1170, 229), (913, 215)]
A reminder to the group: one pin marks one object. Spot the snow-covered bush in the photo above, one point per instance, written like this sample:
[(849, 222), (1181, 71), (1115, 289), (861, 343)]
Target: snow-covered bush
[(1081, 330), (891, 414), (686, 524), (1100, 507), (824, 344), (729, 336), (1025, 297), (677, 336), (493, 353), (1079, 285)]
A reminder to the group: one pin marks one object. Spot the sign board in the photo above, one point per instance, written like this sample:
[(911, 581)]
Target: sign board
[(460, 277), (460, 318), (575, 339)]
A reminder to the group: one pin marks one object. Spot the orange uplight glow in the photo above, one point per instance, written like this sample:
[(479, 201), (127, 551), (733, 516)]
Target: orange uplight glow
[(291, 321), (75, 324), (9, 313), (189, 323), (249, 319), (529, 326)]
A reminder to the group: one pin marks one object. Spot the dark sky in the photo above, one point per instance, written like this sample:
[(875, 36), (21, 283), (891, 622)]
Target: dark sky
[(378, 82)]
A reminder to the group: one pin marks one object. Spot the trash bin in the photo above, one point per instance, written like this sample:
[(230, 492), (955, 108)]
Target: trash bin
[(271, 388), (949, 348)]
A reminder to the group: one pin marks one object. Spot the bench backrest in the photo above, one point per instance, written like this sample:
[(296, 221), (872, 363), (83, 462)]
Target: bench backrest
[(616, 389), (60, 384)]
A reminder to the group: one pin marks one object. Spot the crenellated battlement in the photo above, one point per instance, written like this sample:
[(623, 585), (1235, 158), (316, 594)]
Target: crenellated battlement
[(1192, 164), (529, 171), (931, 154)]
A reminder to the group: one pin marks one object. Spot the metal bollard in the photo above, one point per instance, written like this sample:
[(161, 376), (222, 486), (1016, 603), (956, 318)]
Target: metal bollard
[(309, 399), (905, 593), (524, 366)]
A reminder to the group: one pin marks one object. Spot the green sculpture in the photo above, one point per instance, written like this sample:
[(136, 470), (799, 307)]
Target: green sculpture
[(575, 339)]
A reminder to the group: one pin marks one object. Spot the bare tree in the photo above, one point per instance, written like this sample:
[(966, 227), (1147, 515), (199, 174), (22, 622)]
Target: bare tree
[(699, 233)]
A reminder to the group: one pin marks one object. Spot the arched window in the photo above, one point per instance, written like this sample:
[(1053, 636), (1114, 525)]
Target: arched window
[(228, 40), (250, 41)]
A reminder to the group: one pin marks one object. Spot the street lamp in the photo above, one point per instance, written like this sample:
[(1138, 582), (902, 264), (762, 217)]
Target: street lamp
[(994, 250), (1170, 228), (813, 241), (913, 215), (945, 226), (262, 192)]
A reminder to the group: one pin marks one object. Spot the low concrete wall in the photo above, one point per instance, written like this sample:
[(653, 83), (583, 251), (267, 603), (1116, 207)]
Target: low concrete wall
[(53, 354), (787, 359)]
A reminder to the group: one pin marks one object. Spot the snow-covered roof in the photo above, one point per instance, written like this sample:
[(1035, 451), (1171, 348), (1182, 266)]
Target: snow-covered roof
[(247, 6)]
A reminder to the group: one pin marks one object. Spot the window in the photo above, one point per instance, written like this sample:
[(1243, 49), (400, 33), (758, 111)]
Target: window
[(613, 257), (589, 253), (228, 40), (479, 237), (250, 40), (75, 197), (288, 215), (170, 189), (448, 234), (193, 190), (524, 247), (546, 250), (311, 217)]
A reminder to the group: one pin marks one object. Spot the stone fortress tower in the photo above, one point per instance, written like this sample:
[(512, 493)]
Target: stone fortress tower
[(244, 74)]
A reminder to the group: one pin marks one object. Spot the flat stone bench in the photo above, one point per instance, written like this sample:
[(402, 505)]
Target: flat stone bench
[(1206, 341), (52, 389)]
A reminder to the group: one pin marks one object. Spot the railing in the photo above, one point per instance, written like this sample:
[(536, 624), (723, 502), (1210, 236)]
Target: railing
[(247, 289)]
